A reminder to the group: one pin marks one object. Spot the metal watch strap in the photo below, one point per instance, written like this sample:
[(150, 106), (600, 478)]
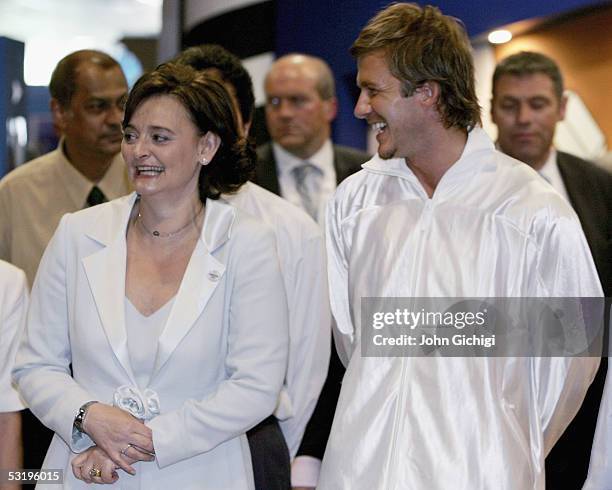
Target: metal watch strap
[(78, 420)]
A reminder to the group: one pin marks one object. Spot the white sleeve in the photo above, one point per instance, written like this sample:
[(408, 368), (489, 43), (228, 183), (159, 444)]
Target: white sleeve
[(42, 367), (13, 309), (600, 467), (565, 269), (337, 270), (305, 471), (309, 339)]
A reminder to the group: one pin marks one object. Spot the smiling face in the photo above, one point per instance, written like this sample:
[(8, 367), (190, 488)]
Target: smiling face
[(163, 148), (526, 111), (396, 119)]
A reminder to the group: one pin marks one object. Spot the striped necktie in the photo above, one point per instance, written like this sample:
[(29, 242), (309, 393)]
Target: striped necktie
[(307, 183)]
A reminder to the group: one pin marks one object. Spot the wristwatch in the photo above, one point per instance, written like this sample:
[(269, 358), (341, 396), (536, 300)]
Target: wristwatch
[(80, 417)]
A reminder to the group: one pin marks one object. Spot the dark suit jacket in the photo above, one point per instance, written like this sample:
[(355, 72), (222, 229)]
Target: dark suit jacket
[(346, 162), (590, 191)]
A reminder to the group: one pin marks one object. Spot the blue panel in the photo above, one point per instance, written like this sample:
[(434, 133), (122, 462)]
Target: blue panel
[(12, 99), (38, 100)]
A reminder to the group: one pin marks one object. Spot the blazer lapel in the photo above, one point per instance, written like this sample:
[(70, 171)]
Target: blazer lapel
[(204, 273), (105, 271)]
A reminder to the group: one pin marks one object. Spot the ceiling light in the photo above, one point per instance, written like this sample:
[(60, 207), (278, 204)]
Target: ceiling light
[(500, 36)]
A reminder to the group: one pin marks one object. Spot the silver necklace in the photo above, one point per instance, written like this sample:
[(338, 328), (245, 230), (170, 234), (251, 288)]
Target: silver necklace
[(160, 234)]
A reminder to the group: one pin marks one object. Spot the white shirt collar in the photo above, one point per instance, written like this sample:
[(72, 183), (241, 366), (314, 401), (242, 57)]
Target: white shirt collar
[(551, 173), (477, 141), (323, 159), (550, 169)]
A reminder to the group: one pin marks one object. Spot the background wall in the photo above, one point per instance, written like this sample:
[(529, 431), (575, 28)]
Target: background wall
[(582, 46), (327, 29), (259, 31)]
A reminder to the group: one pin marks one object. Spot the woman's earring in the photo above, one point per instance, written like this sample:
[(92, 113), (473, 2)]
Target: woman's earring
[(203, 161)]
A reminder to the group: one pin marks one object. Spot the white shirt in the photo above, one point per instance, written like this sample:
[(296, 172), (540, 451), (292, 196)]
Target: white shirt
[(13, 307), (550, 172), (301, 255), (142, 338), (323, 159), (492, 228)]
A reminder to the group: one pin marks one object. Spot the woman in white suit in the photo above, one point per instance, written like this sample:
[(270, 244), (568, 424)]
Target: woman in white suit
[(165, 302)]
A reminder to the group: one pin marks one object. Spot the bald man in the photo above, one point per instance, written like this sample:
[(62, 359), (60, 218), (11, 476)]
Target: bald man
[(301, 164)]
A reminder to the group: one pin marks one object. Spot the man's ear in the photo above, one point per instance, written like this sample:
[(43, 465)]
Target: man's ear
[(562, 107), (429, 93), (492, 111), (59, 115), (207, 147), (331, 108)]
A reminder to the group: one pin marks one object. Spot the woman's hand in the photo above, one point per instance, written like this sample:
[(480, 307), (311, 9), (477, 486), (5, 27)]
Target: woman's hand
[(123, 438), (94, 459)]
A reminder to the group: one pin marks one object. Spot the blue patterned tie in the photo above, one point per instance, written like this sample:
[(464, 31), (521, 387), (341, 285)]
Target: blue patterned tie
[(307, 183)]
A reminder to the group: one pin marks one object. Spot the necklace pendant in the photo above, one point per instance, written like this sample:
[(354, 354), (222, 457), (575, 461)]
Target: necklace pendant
[(155, 233)]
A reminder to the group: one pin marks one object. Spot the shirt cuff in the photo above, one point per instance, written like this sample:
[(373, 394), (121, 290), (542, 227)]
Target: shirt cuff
[(80, 441), (305, 471)]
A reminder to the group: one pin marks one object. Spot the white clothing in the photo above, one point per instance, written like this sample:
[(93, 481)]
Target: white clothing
[(301, 254), (551, 173), (323, 160), (220, 362), (600, 466), (13, 308), (142, 335), (492, 228)]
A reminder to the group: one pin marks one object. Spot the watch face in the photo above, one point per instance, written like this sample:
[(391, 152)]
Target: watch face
[(78, 420)]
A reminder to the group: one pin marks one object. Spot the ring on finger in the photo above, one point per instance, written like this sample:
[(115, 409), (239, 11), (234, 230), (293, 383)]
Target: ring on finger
[(95, 472), (124, 450)]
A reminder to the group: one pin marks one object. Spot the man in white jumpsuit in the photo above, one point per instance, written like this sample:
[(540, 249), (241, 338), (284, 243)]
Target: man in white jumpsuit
[(440, 213)]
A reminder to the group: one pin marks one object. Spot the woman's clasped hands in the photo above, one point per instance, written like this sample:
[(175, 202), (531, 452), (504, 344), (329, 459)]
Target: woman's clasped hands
[(121, 440)]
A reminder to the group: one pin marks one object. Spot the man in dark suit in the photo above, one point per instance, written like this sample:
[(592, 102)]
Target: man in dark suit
[(302, 165), (346, 161), (300, 107), (527, 103)]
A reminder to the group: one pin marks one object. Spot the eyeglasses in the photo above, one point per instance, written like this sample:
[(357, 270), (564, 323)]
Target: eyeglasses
[(294, 101)]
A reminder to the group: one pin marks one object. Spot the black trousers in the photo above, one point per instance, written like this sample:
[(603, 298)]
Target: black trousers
[(36, 440), (269, 456)]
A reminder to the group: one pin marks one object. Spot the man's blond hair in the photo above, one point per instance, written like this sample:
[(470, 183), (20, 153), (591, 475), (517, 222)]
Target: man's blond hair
[(421, 44)]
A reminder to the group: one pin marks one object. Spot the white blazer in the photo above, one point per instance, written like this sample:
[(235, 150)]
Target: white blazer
[(220, 361)]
